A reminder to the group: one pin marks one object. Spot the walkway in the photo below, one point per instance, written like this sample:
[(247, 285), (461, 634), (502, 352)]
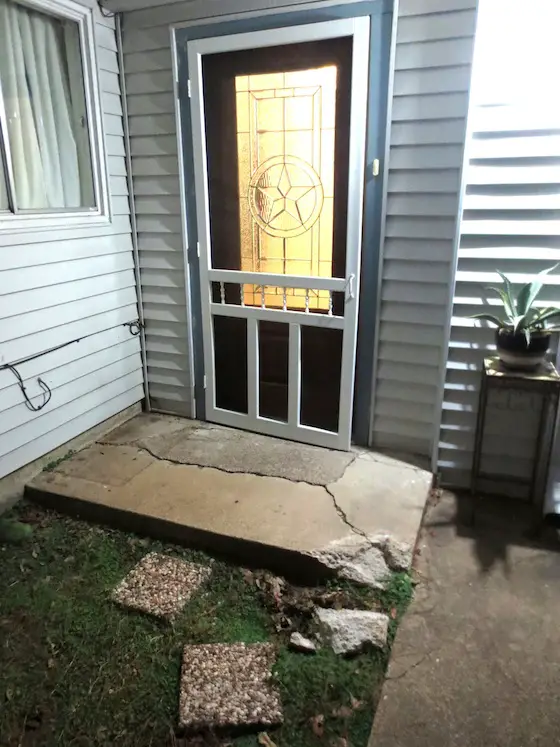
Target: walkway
[(476, 662)]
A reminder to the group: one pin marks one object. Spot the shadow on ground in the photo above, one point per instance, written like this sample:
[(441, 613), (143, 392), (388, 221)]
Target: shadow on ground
[(494, 525), (477, 658)]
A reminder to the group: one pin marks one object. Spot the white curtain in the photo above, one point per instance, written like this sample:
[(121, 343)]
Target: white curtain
[(41, 123)]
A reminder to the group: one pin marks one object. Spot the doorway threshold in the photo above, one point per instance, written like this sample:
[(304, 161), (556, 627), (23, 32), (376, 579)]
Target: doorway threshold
[(298, 509)]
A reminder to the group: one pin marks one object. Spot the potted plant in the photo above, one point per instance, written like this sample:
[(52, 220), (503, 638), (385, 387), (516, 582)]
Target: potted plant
[(522, 334)]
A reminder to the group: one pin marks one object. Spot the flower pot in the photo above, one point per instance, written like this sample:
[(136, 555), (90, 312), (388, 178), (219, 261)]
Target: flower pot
[(514, 352)]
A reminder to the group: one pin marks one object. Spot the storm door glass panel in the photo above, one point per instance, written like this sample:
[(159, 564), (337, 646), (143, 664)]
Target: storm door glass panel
[(285, 149), (277, 128)]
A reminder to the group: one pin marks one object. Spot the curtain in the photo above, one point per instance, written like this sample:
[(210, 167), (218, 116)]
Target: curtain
[(41, 125)]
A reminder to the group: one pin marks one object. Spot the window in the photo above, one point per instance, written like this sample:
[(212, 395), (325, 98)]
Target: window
[(51, 144)]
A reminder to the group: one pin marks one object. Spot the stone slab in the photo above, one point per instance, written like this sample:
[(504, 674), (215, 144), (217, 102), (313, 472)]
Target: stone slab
[(268, 510), (476, 659), (230, 450), (160, 585), (228, 685), (257, 518)]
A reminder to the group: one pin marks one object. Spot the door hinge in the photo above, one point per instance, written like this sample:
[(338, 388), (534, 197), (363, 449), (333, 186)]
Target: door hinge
[(198, 249), (375, 167), (189, 88), (204, 381)]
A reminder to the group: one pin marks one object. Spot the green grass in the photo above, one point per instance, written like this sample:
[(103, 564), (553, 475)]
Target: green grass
[(75, 669), (50, 466)]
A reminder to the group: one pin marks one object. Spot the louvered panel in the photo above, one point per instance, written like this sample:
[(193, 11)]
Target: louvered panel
[(511, 222)]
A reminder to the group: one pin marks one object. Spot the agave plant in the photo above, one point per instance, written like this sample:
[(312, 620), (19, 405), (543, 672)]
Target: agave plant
[(519, 315)]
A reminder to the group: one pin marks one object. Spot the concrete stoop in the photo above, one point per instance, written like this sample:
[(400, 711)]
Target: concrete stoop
[(295, 508)]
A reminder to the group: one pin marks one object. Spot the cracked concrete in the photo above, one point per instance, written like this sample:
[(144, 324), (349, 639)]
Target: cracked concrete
[(185, 441), (232, 491), (476, 660)]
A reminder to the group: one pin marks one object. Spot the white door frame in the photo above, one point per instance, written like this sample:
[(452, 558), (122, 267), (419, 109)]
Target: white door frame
[(358, 29)]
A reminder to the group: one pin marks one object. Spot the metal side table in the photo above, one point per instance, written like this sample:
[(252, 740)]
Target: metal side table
[(545, 381)]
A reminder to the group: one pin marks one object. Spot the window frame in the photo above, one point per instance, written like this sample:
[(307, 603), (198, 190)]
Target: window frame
[(55, 218)]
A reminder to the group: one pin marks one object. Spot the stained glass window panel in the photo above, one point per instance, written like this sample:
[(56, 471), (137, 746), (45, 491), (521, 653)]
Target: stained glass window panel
[(286, 127)]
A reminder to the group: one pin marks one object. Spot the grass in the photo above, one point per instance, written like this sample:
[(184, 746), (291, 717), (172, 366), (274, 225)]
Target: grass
[(75, 669), (51, 466)]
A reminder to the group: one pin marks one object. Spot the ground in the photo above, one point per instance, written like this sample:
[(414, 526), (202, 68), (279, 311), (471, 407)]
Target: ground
[(476, 661), (76, 669)]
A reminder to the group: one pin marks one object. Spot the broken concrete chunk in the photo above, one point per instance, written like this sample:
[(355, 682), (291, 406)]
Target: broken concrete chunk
[(160, 585), (349, 631), (303, 644), (398, 555), (367, 560), (368, 567), (224, 685), (356, 559)]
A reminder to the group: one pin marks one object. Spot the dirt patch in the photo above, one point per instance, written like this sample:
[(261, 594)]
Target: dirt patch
[(292, 607)]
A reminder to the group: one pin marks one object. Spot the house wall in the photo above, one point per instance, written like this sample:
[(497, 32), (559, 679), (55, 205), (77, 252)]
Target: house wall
[(433, 58), (430, 102), (511, 221), (58, 286)]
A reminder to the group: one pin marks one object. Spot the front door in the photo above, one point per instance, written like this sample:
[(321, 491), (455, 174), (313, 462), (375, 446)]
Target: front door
[(278, 123)]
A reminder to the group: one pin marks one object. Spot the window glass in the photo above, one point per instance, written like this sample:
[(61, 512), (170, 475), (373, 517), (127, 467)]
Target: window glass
[(44, 100)]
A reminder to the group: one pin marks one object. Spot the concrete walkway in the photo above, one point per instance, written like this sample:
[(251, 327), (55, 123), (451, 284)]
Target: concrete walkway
[(476, 662), (265, 500)]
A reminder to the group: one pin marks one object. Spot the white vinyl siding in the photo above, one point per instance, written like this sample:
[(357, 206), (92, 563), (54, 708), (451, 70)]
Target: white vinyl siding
[(511, 222), (431, 90), (64, 285)]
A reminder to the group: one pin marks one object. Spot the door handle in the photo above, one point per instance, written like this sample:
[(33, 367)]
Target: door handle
[(350, 287)]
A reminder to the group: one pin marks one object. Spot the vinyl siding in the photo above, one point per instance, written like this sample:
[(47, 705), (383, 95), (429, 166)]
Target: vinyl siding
[(433, 61), (429, 108), (63, 285), (511, 221), (155, 172)]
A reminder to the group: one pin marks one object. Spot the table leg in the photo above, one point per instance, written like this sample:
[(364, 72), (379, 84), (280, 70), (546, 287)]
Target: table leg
[(478, 441)]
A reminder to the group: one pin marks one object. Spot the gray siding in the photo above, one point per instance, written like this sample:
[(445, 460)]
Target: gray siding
[(430, 102), (155, 172), (433, 60), (78, 283)]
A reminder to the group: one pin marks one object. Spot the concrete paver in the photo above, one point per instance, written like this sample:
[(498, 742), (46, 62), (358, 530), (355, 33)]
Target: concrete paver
[(476, 661), (136, 477)]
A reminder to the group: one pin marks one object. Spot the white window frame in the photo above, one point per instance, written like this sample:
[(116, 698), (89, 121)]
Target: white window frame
[(49, 218)]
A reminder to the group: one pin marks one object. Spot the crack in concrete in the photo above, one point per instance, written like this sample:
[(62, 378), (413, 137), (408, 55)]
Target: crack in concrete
[(142, 447), (340, 512), (411, 667), (344, 518)]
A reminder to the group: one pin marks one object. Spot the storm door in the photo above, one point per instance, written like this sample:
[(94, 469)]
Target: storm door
[(278, 121)]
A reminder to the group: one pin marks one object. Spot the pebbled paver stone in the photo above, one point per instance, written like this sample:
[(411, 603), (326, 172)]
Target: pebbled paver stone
[(160, 585), (224, 685)]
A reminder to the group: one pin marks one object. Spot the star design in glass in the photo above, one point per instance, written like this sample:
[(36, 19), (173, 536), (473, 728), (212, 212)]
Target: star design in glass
[(282, 197)]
